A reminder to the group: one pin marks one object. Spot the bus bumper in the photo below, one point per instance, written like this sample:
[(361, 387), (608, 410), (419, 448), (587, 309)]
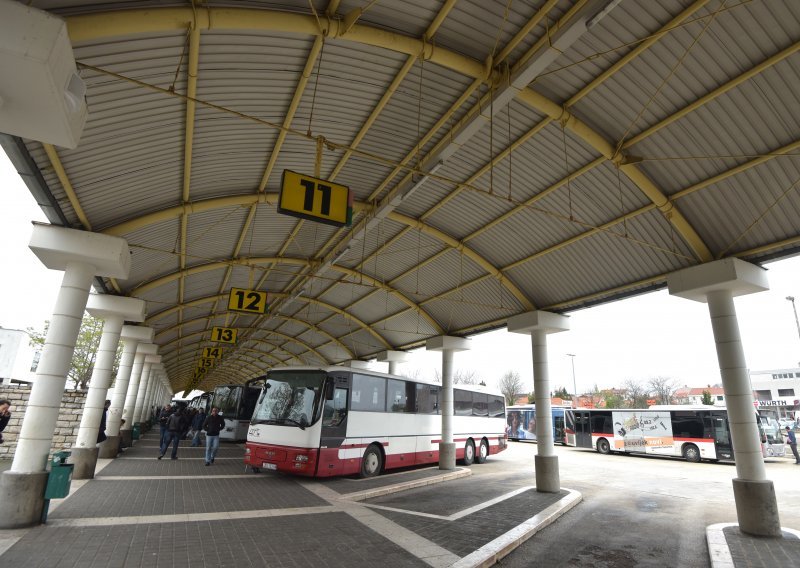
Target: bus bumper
[(288, 459)]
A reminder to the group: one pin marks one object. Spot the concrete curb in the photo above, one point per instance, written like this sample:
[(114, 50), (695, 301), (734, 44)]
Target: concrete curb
[(490, 553), (718, 551), (404, 486)]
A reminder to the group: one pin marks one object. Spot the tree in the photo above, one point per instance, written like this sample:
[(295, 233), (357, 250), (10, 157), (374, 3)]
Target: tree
[(614, 401), (635, 394), (510, 386), (460, 377), (707, 398), (85, 354), (532, 397), (562, 394), (662, 389)]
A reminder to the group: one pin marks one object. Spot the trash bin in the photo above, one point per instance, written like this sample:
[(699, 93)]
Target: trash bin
[(58, 482), (60, 476), (136, 432)]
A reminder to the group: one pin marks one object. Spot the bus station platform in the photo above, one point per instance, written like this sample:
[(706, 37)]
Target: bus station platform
[(142, 512)]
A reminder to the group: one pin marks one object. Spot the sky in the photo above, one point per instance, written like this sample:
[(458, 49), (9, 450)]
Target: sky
[(652, 335)]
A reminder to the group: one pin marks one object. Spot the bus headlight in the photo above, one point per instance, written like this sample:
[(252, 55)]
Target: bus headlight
[(301, 458)]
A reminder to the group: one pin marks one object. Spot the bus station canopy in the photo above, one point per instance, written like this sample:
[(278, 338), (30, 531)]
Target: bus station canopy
[(492, 158)]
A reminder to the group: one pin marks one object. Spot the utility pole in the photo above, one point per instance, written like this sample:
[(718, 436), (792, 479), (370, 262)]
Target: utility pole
[(574, 384), (796, 321)]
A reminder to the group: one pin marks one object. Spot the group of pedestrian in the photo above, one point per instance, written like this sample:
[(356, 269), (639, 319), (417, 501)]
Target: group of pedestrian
[(180, 424)]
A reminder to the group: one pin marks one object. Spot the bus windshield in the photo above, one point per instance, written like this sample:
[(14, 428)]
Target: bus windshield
[(291, 398), (226, 398)]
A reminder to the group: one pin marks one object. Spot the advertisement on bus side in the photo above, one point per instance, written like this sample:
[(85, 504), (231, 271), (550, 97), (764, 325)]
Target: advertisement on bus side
[(643, 432)]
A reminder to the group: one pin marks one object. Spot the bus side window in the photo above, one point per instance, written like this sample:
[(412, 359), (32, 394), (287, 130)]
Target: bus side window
[(335, 409)]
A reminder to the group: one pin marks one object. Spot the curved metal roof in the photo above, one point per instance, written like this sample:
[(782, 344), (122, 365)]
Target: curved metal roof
[(504, 157)]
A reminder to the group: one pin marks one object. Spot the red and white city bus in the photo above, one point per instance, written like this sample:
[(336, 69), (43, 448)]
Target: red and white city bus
[(692, 432), (322, 422)]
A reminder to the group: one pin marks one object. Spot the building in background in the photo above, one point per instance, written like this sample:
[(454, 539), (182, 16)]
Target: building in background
[(18, 360), (777, 393)]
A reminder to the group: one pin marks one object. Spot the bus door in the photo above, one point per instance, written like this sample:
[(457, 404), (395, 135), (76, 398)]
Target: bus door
[(332, 456), (583, 429), (716, 426)]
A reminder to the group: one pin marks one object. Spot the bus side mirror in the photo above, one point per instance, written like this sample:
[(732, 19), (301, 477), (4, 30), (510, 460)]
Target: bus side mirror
[(329, 391)]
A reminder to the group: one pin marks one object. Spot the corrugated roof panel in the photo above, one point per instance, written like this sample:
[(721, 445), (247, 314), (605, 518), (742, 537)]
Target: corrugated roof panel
[(376, 306), (203, 285), (209, 234), (479, 29), (450, 270), (153, 252), (756, 207), (406, 328), (267, 232), (478, 302), (591, 265), (468, 211)]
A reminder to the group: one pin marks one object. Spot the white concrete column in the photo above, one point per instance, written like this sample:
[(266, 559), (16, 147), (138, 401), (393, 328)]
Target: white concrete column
[(394, 358), (447, 345), (152, 390), (38, 424), (130, 336), (717, 283), (538, 324), (143, 382), (81, 255), (114, 310), (142, 350)]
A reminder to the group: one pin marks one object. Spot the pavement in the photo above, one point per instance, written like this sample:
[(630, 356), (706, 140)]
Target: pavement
[(139, 511)]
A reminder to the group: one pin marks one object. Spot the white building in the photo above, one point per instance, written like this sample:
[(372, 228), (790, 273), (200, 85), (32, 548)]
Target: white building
[(777, 392), (18, 360)]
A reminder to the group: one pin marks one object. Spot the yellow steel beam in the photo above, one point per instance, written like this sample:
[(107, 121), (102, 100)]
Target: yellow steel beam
[(106, 25)]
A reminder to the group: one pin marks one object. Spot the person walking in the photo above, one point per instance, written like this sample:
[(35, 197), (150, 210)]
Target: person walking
[(793, 444), (174, 427), (101, 431), (213, 426), (197, 425), (163, 418)]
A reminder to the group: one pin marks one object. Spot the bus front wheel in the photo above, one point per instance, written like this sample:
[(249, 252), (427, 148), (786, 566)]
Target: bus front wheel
[(691, 453), (483, 452), (372, 462), (602, 446), (469, 453)]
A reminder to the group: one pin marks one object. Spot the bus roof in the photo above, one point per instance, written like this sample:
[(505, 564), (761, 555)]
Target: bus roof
[(334, 368)]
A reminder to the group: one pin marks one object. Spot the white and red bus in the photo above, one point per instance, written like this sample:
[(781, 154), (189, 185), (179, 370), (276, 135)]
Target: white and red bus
[(322, 422), (692, 432)]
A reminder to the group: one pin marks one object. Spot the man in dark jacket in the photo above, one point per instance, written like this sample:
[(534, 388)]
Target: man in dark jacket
[(174, 427), (792, 439), (5, 416), (214, 424), (163, 418)]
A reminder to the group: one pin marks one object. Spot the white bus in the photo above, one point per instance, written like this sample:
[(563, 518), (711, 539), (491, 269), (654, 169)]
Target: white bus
[(692, 432), (322, 422), (236, 404)]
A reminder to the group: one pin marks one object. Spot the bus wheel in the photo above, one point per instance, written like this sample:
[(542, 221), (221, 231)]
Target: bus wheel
[(469, 453), (372, 462), (691, 453), (256, 469), (603, 447), (483, 452)]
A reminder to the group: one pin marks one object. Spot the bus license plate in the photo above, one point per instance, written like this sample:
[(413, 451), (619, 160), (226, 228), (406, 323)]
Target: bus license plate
[(268, 465)]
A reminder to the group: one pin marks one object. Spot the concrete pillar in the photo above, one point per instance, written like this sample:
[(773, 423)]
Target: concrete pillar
[(447, 345), (130, 336), (143, 382), (142, 350), (81, 255), (716, 283), (394, 358), (538, 324), (158, 371), (114, 310)]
